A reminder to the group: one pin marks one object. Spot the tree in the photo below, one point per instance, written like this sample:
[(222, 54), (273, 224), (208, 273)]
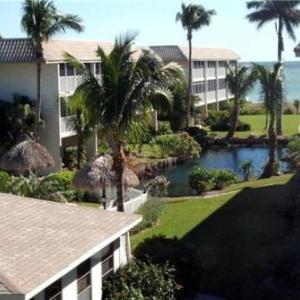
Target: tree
[(240, 81), (271, 90), (286, 16), (41, 21), (125, 93), (80, 124), (297, 105), (192, 17)]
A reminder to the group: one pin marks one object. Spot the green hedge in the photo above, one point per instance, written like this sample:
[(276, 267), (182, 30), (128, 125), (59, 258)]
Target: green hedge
[(5, 180)]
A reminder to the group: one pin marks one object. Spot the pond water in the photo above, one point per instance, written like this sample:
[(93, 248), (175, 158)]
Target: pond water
[(227, 158)]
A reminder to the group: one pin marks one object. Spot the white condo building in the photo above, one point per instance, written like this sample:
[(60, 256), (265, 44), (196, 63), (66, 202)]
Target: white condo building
[(59, 80)]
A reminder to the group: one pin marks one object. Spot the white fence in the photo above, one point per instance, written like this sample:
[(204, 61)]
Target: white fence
[(136, 199)]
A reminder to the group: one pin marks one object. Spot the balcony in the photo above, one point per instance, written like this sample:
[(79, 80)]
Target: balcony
[(65, 127), (198, 74)]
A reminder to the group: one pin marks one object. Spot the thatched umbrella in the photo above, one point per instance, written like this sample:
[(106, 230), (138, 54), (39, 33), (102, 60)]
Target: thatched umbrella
[(130, 178), (27, 156)]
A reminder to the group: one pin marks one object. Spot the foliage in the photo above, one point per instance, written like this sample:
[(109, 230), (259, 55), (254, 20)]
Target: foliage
[(64, 180), (69, 157), (34, 187), (5, 180), (199, 134), (204, 180), (297, 105), (179, 145), (164, 128), (151, 211), (141, 280), (17, 120), (187, 262), (246, 169), (294, 145), (250, 108), (220, 121)]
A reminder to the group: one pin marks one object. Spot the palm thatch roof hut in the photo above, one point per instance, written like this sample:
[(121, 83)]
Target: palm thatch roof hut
[(27, 156)]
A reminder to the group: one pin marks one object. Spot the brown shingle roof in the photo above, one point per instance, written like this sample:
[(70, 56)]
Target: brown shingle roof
[(21, 50), (39, 239), (179, 53)]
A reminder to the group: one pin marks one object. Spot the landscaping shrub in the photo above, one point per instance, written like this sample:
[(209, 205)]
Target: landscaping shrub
[(204, 180), (186, 260), (63, 179), (141, 280), (179, 145), (164, 128), (246, 169), (250, 108), (294, 146), (5, 181), (151, 211), (199, 134), (69, 157)]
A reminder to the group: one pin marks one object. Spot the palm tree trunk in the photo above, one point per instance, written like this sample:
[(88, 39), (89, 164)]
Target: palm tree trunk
[(280, 49), (270, 168), (188, 109), (233, 120), (80, 149), (267, 121), (38, 96)]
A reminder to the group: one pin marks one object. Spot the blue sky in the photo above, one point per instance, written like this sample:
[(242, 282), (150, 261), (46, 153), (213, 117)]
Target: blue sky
[(155, 22)]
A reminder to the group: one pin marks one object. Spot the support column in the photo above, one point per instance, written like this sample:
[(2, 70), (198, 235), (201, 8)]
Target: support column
[(96, 277), (117, 262), (69, 286)]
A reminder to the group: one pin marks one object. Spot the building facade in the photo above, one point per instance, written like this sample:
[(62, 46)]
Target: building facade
[(209, 69), (59, 251)]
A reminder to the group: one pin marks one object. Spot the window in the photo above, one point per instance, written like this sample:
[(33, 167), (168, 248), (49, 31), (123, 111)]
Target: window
[(233, 63), (198, 87), (108, 261), (62, 70), (212, 84), (198, 64), (54, 291), (97, 68), (222, 84), (222, 64), (84, 281), (89, 67), (70, 70), (211, 64)]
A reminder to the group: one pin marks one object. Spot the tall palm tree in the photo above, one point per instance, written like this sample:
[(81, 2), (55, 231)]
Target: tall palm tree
[(192, 17), (271, 90), (239, 81), (79, 122), (41, 21), (286, 16), (126, 91)]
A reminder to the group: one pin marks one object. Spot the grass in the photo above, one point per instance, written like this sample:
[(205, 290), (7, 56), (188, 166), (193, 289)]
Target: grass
[(257, 122), (238, 235)]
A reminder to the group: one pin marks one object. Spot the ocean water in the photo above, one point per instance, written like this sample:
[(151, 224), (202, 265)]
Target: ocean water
[(291, 81)]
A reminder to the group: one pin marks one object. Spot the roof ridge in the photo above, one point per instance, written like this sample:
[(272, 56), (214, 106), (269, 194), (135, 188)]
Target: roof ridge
[(6, 283)]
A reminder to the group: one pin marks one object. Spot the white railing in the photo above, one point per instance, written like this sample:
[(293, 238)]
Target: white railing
[(211, 72), (65, 127), (198, 73), (221, 72), (136, 199), (222, 94)]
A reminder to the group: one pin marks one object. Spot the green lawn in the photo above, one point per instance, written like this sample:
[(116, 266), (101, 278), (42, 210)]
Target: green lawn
[(237, 235), (257, 122)]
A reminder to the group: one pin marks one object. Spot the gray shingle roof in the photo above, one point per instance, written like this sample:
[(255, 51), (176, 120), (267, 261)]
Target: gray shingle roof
[(179, 53), (40, 239)]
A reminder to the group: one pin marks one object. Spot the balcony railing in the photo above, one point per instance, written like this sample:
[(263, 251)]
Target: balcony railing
[(65, 127)]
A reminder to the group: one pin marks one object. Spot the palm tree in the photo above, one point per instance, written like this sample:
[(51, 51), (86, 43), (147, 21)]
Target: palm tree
[(126, 91), (79, 122), (286, 16), (271, 89), (41, 21), (192, 18), (240, 81)]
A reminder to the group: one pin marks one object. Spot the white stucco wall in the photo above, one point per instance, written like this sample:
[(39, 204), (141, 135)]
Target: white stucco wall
[(21, 78)]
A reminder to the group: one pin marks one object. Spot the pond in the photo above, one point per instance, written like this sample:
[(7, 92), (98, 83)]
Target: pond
[(227, 158)]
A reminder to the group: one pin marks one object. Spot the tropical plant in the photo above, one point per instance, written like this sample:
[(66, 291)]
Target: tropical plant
[(272, 91), (246, 169), (297, 105), (126, 92), (141, 280), (80, 123), (41, 21), (5, 180), (240, 81), (192, 17), (286, 16)]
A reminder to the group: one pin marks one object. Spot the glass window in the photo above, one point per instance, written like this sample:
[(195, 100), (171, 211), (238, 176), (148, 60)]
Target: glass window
[(70, 70), (97, 68), (212, 85), (108, 261), (222, 64), (211, 64), (84, 281), (199, 87), (222, 84), (198, 64), (62, 70), (89, 67), (54, 291)]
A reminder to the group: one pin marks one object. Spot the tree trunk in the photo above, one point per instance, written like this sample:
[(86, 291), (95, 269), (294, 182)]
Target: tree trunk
[(233, 120), (267, 121), (38, 105), (280, 49), (270, 168), (188, 109), (80, 149), (119, 161)]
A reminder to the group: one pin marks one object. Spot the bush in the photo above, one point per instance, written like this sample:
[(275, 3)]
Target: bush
[(204, 180), (252, 109), (246, 169), (5, 181), (69, 157), (63, 179), (186, 261), (179, 145), (141, 280), (151, 211), (164, 128), (294, 146)]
